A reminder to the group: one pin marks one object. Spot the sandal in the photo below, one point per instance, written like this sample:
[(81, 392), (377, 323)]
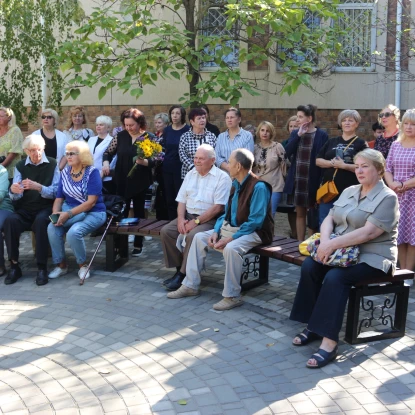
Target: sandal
[(324, 359), (306, 336)]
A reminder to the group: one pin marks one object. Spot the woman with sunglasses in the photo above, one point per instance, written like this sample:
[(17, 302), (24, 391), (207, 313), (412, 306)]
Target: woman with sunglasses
[(11, 140), (389, 119), (55, 140), (80, 206)]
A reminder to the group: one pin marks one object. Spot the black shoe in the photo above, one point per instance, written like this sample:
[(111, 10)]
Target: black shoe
[(175, 282), (137, 252), (165, 282), (42, 277), (13, 275)]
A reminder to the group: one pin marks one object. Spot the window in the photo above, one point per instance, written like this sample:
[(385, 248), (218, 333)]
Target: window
[(357, 45), (214, 24), (297, 52)]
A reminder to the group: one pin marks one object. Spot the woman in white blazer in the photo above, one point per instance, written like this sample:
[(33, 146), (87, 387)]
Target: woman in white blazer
[(99, 143), (55, 140)]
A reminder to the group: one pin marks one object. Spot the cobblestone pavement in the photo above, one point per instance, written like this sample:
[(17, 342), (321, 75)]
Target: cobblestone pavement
[(118, 346)]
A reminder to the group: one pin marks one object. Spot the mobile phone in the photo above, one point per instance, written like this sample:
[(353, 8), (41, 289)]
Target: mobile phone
[(339, 153), (54, 217)]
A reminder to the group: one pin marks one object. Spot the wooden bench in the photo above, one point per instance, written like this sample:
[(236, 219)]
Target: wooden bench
[(286, 249), (116, 240)]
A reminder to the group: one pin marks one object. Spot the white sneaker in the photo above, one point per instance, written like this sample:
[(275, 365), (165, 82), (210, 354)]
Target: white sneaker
[(57, 272), (148, 238), (82, 271)]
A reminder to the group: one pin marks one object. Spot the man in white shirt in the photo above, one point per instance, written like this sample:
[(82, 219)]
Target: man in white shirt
[(201, 200)]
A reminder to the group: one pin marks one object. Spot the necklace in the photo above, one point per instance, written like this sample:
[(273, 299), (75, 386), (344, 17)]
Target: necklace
[(76, 175)]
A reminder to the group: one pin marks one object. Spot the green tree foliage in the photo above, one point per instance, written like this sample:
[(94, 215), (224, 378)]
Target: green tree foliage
[(129, 44), (28, 29)]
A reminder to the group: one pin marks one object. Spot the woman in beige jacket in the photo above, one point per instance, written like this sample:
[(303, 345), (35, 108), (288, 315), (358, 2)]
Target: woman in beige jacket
[(269, 164)]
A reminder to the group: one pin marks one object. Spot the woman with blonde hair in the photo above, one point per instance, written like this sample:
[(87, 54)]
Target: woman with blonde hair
[(389, 119), (76, 128), (269, 161), (400, 177), (11, 140), (55, 140), (80, 208), (366, 215)]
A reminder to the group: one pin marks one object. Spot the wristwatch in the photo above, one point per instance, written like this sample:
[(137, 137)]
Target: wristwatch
[(197, 221)]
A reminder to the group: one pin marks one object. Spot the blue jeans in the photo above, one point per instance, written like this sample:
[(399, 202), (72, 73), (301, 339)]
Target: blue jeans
[(323, 211), (75, 228), (275, 201)]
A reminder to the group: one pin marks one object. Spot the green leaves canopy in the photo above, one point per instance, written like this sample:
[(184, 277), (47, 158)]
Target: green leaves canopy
[(30, 29)]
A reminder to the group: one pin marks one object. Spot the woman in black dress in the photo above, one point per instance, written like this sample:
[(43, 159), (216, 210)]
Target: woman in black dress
[(132, 188)]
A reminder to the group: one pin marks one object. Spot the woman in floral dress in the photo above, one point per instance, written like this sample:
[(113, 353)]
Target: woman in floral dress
[(400, 177)]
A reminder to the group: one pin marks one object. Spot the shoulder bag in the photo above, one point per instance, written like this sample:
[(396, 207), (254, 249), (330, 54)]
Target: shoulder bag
[(328, 191)]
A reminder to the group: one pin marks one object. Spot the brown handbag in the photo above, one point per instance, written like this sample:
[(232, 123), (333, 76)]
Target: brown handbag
[(328, 191)]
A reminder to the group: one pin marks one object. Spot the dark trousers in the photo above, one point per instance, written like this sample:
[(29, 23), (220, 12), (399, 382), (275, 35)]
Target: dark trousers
[(21, 221), (139, 212), (172, 183), (322, 295)]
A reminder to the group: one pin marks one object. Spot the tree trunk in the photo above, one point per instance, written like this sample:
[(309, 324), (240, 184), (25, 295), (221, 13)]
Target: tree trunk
[(189, 6)]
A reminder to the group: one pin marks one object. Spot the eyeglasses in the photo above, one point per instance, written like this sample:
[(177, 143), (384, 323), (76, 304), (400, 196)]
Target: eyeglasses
[(78, 116), (385, 114), (71, 154), (46, 117)]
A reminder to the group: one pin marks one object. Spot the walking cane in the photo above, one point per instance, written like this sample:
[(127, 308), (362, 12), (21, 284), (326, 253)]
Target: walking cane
[(113, 215)]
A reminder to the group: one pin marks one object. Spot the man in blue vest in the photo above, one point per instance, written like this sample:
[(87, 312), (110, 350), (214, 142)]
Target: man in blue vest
[(33, 191)]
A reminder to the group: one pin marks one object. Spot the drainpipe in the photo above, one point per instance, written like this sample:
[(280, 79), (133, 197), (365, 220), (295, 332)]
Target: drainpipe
[(398, 53)]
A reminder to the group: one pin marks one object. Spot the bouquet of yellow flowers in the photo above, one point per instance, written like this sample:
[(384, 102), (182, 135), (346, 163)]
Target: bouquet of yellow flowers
[(147, 148)]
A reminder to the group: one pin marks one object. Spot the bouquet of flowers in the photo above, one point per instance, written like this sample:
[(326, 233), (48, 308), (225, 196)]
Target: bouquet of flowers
[(147, 148)]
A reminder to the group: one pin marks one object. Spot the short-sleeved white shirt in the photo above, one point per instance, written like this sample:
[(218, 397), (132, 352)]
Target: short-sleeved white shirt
[(199, 193)]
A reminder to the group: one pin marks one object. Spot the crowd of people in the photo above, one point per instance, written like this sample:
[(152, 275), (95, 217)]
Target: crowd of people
[(219, 191)]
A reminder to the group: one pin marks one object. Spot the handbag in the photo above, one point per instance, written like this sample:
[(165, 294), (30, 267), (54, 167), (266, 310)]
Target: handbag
[(328, 191), (342, 257), (227, 231), (303, 245)]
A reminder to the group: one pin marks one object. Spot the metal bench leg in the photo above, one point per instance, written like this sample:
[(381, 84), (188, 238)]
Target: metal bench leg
[(401, 311), (116, 251), (396, 324), (251, 268), (353, 315)]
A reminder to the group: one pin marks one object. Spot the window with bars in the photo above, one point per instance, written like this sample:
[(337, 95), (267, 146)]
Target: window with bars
[(214, 24), (357, 45), (297, 52)]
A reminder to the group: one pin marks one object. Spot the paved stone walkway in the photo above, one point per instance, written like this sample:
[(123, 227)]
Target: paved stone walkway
[(118, 346)]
